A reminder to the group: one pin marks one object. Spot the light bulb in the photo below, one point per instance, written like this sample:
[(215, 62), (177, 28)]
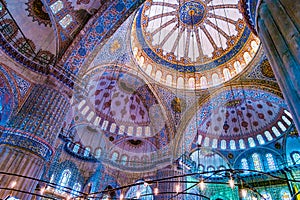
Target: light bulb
[(202, 185), (244, 193), (121, 196), (13, 184), (138, 194), (156, 191), (231, 183), (177, 188)]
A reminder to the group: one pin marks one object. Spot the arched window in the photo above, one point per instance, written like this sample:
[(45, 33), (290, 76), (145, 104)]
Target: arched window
[(296, 157), (288, 114), (256, 162), (114, 156), (247, 57), (200, 168), (268, 135), (76, 148), (237, 66), (210, 169), (158, 75), (87, 151), (260, 139), (214, 143), (206, 141), (223, 144), (281, 126), (98, 153), (244, 165), (124, 160), (76, 189), (242, 144), (192, 83), (149, 69), (286, 120), (226, 73), (275, 131), (203, 81), (215, 79), (232, 144), (271, 162), (64, 179), (251, 142), (169, 80), (180, 82), (143, 190)]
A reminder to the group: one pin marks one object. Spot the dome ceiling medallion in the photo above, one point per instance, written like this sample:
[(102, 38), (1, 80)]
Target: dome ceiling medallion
[(202, 37)]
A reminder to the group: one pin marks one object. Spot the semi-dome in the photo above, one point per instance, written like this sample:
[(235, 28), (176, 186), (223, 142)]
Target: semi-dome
[(240, 118), (187, 39)]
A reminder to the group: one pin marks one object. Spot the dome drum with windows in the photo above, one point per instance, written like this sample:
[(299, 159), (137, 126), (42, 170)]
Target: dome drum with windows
[(175, 40)]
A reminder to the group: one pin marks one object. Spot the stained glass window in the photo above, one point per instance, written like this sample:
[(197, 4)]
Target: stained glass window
[(115, 156), (57, 6), (268, 135), (271, 162), (200, 168), (144, 190), (199, 139), (223, 144), (64, 179), (124, 160), (214, 143), (76, 189), (256, 162), (296, 157), (242, 144), (245, 165), (66, 21), (251, 142), (98, 153), (87, 151), (260, 139), (206, 142), (232, 144), (76, 148)]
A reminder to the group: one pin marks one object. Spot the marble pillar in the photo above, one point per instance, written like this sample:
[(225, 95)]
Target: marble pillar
[(26, 142), (278, 26)]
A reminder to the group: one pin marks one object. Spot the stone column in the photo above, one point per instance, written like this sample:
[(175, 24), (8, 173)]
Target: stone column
[(167, 188), (27, 140), (278, 26)]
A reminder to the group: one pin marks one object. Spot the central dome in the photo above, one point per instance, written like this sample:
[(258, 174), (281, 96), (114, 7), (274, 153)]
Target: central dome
[(192, 13), (193, 38)]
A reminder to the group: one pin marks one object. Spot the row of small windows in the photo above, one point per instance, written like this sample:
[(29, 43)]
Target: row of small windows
[(251, 141), (86, 151), (256, 162), (130, 130), (67, 19), (215, 78)]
